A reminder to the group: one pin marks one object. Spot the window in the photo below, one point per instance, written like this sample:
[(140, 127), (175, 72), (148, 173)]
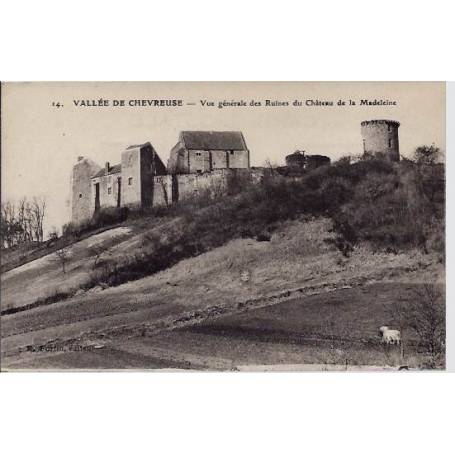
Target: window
[(80, 195), (198, 153), (364, 148), (388, 128), (130, 181), (390, 142), (109, 190), (232, 152)]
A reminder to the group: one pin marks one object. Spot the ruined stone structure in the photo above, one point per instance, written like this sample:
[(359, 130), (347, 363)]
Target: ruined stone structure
[(200, 161), (81, 189), (380, 138), (206, 151), (130, 183), (298, 161), (213, 161)]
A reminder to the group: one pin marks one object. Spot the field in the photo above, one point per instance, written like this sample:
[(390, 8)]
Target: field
[(324, 330), (293, 302)]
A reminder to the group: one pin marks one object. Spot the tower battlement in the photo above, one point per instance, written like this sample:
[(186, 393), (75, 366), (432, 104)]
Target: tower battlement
[(380, 138)]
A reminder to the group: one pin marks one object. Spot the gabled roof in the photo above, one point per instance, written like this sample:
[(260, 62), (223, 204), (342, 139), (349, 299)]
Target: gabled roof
[(112, 170), (138, 146), (213, 140)]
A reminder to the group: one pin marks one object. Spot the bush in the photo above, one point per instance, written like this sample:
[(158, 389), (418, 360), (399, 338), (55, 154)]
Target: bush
[(394, 206), (425, 316), (105, 217), (389, 205)]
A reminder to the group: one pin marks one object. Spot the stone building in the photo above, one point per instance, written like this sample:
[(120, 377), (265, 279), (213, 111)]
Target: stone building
[(81, 194), (197, 152), (380, 138), (128, 184), (200, 161)]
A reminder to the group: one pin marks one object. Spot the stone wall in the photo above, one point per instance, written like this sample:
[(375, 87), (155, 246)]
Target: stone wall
[(162, 190), (178, 160), (220, 159), (380, 137), (82, 198), (108, 187), (139, 187), (131, 177), (200, 161), (189, 185), (217, 182), (239, 159), (183, 161)]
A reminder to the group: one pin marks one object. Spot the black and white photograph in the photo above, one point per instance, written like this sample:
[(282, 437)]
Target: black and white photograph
[(227, 227), (223, 226)]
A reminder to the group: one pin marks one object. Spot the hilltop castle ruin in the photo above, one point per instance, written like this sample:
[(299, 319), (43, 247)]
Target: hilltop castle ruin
[(200, 160), (380, 138)]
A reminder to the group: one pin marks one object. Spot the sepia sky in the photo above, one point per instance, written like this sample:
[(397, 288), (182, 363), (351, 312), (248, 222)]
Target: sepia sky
[(40, 143)]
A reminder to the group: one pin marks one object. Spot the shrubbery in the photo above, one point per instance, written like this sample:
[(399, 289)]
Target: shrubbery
[(103, 218), (392, 206)]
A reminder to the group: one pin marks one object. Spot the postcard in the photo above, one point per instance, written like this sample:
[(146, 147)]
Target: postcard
[(223, 226)]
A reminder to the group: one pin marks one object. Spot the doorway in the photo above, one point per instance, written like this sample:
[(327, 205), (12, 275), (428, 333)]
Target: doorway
[(119, 190), (97, 197)]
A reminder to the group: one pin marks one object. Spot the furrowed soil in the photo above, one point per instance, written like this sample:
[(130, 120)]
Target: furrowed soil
[(246, 305)]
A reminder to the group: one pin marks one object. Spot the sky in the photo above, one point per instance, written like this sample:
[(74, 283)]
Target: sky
[(41, 141)]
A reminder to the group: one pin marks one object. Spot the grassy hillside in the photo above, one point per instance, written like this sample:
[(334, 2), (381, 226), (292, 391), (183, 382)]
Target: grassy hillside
[(153, 276)]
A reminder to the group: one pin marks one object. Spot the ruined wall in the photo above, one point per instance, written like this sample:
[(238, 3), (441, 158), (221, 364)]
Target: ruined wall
[(189, 185), (296, 159), (81, 191), (147, 171), (162, 190), (217, 182), (178, 160), (138, 169), (145, 189), (259, 174), (380, 137), (108, 185), (131, 177)]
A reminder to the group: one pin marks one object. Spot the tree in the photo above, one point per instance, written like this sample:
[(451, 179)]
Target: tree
[(425, 316), (22, 222), (97, 251), (62, 255), (38, 209), (427, 154)]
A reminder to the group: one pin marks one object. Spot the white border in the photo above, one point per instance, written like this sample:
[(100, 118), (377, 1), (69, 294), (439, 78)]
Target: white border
[(229, 413), (450, 226), (229, 40)]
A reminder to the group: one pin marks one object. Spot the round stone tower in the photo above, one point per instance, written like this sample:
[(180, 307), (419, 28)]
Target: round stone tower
[(380, 138)]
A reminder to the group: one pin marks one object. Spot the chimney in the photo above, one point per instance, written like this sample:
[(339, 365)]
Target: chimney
[(107, 167), (80, 158)]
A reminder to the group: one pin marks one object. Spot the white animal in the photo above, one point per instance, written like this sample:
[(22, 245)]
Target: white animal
[(390, 336)]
